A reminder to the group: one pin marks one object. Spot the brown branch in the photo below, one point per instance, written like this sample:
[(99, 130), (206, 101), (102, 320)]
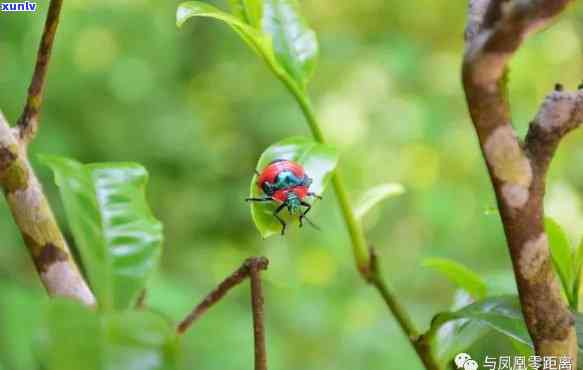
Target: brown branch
[(28, 121), (32, 213), (221, 290), (495, 31), (258, 317)]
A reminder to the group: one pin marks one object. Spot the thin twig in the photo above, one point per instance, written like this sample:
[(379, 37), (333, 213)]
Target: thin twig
[(28, 121), (221, 290), (258, 316), (399, 312)]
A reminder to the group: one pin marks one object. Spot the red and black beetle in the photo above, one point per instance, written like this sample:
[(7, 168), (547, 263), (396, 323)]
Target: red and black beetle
[(286, 183)]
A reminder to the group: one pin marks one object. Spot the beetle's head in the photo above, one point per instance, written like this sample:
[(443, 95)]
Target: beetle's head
[(294, 204)]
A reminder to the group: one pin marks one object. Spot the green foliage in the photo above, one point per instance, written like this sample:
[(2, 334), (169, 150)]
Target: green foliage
[(319, 162), (120, 242), (274, 29), (561, 253), (567, 260), (455, 331), (249, 11), (460, 275), (259, 42), (119, 239), (80, 338), (456, 336), (376, 195), (294, 43), (501, 314), (19, 318), (196, 109)]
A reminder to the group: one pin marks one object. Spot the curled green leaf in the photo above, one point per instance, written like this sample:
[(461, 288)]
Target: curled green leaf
[(319, 162), (253, 37), (294, 42), (249, 11)]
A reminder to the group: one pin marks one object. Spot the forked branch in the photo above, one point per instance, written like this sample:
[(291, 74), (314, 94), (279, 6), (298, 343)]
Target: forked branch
[(24, 195), (495, 31), (251, 268)]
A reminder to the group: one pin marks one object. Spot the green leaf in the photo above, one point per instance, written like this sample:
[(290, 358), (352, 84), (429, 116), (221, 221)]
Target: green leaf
[(249, 11), (578, 265), (73, 339), (459, 274), (119, 239), (319, 162), (501, 314), (456, 336), (19, 319), (375, 195), (139, 340), (254, 38), (561, 254), (294, 42), (80, 338)]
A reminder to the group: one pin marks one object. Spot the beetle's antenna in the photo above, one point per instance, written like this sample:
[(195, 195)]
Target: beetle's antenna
[(312, 223)]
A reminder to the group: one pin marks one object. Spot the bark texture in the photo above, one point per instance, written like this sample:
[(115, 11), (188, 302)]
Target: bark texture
[(38, 227), (495, 31)]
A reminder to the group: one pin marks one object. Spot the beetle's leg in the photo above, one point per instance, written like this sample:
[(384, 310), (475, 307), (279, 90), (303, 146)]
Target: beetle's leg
[(263, 199), (312, 194), (308, 208), (281, 221), (306, 217), (257, 173)]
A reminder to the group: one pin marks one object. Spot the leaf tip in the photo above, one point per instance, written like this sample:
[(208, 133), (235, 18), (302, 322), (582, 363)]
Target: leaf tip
[(183, 12)]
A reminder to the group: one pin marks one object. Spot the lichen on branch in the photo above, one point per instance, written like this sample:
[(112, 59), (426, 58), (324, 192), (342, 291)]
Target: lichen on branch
[(38, 227), (495, 31)]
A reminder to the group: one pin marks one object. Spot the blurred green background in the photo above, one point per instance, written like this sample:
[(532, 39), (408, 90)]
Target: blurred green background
[(197, 108)]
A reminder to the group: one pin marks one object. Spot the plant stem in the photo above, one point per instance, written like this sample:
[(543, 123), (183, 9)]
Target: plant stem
[(419, 342), (366, 262), (359, 244)]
